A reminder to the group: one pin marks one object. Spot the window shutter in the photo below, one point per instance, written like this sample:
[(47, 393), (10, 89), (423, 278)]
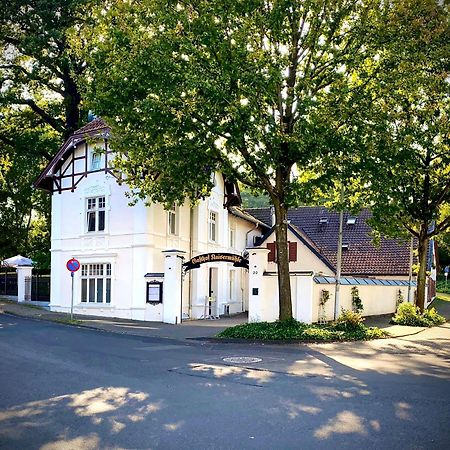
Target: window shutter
[(271, 255), (293, 251)]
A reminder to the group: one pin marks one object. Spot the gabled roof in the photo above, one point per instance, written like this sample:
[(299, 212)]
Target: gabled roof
[(94, 128), (362, 257)]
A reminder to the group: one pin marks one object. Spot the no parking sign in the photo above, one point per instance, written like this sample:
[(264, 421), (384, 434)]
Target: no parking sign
[(73, 265)]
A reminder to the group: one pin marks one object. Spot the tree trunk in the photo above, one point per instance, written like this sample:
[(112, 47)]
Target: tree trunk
[(422, 275), (284, 282)]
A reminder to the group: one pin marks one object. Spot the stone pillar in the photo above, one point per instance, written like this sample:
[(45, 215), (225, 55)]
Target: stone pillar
[(172, 287), (305, 298), (257, 262), (22, 273)]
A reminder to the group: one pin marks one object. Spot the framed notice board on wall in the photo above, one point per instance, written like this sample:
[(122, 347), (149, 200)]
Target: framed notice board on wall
[(154, 292)]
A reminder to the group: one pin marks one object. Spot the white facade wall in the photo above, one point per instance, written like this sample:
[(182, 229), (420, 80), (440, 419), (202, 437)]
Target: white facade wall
[(133, 241)]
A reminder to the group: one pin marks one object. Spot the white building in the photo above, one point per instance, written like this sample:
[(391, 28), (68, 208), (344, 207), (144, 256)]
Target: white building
[(132, 256), (120, 248)]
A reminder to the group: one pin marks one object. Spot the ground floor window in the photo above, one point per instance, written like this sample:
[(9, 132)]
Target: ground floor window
[(96, 283)]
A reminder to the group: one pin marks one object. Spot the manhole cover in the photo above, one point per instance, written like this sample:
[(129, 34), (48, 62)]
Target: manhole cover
[(241, 359)]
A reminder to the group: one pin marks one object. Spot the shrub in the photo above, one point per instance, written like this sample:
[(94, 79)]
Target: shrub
[(357, 304), (349, 321), (408, 314), (433, 316), (400, 299)]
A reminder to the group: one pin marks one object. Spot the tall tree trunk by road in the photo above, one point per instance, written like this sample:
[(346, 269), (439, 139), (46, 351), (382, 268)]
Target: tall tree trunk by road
[(422, 275), (284, 282)]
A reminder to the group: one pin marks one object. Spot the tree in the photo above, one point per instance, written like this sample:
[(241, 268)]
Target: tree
[(408, 160), (192, 87), (40, 105)]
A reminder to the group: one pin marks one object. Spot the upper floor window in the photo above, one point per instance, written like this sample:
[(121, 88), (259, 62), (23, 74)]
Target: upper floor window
[(212, 226), (95, 161), (232, 237), (172, 220), (95, 215)]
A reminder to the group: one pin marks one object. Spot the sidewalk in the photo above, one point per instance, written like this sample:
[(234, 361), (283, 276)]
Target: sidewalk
[(190, 329)]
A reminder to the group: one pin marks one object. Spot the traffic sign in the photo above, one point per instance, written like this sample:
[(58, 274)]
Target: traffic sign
[(73, 265)]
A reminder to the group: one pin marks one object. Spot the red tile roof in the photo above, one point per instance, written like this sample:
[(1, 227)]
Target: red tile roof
[(362, 257), (94, 125)]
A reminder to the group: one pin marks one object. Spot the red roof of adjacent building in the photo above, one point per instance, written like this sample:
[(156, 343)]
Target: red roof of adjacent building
[(362, 257)]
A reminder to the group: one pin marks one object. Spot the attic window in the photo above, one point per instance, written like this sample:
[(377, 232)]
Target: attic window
[(323, 220), (345, 246), (351, 220)]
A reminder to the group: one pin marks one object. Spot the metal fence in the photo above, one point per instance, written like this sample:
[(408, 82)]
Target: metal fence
[(37, 288), (8, 283)]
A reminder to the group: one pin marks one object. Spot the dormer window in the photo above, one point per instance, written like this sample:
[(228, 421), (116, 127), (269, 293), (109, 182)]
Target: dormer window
[(95, 161), (345, 246), (351, 221), (323, 220)]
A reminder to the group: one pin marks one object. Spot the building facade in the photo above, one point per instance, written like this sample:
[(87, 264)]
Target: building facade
[(120, 247)]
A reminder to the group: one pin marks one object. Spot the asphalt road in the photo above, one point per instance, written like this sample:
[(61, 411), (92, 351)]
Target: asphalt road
[(68, 388)]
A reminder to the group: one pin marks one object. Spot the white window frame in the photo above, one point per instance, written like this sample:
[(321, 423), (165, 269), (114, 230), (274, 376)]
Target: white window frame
[(93, 275), (94, 207), (172, 220), (213, 225)]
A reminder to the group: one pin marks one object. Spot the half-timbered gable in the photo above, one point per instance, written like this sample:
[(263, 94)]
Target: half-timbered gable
[(86, 151)]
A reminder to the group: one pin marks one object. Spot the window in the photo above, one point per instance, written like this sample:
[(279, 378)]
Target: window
[(232, 284), (95, 161), (213, 226), (154, 292), (96, 283), (95, 216), (292, 252), (172, 219), (232, 237)]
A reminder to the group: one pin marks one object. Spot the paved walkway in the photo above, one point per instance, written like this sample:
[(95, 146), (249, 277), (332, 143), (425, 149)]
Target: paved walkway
[(191, 329)]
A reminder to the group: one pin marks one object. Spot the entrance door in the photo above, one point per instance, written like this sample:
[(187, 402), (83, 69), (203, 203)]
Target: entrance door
[(213, 289)]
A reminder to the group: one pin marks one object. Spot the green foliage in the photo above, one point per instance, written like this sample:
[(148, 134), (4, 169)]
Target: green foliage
[(399, 300), (293, 330), (408, 314), (349, 321), (442, 285), (357, 304), (39, 107), (324, 297)]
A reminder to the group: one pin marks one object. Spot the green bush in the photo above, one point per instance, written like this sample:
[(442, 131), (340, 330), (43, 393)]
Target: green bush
[(351, 328), (349, 321), (433, 316), (409, 314)]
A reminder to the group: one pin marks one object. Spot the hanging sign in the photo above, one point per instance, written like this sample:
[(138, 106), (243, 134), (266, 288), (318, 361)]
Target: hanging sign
[(196, 261), (73, 265)]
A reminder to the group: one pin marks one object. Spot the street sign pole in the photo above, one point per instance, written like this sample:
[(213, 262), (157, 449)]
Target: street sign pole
[(72, 266), (71, 299)]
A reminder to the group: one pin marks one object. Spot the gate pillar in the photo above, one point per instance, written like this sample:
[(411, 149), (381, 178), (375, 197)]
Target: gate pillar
[(173, 286), (23, 272), (257, 298)]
